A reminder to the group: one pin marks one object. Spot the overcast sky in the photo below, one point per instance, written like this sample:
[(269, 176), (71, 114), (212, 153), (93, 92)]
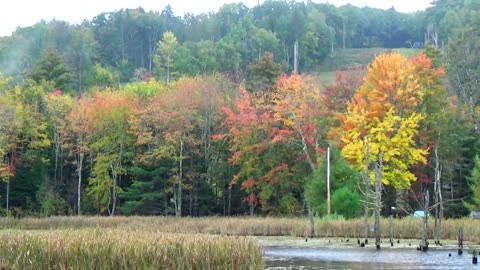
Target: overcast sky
[(16, 13)]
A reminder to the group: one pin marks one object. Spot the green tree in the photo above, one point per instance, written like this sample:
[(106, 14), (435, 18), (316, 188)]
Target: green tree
[(474, 185), (100, 185), (52, 67), (204, 52), (103, 76), (84, 51), (263, 41), (165, 53), (227, 56), (263, 74), (346, 202), (185, 63), (341, 176), (464, 62), (315, 44), (149, 192)]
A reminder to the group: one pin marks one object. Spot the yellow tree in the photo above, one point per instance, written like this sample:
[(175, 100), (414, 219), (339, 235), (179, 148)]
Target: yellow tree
[(112, 141), (381, 125)]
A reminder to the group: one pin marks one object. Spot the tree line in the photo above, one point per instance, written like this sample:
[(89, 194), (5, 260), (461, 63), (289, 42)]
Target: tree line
[(126, 42), (118, 127)]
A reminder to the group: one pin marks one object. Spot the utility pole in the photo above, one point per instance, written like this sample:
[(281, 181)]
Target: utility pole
[(343, 32), (295, 57), (328, 182)]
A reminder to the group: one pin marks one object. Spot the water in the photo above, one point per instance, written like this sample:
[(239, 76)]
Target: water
[(353, 257)]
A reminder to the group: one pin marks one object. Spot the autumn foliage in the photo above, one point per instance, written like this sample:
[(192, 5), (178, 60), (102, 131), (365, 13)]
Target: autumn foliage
[(149, 147), (383, 118)]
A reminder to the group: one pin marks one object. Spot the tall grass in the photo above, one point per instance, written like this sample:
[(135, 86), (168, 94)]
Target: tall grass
[(255, 226), (176, 243), (97, 248)]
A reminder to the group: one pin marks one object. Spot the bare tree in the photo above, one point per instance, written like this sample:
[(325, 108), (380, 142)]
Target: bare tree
[(438, 199)]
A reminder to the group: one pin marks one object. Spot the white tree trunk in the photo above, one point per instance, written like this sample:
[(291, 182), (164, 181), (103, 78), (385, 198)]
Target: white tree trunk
[(79, 183), (366, 182), (378, 198), (438, 199), (178, 212), (7, 199)]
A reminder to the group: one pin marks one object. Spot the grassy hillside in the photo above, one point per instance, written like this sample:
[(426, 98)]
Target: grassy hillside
[(342, 59)]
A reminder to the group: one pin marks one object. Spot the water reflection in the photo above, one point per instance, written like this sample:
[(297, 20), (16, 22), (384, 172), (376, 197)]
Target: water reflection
[(281, 257)]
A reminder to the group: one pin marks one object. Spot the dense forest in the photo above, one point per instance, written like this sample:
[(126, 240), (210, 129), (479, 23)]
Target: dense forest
[(140, 112)]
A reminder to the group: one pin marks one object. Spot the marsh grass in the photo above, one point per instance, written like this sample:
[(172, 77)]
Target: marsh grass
[(407, 228), (100, 248), (177, 243)]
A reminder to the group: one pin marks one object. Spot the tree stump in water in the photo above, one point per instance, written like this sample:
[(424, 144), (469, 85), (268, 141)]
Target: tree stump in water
[(390, 219), (460, 240)]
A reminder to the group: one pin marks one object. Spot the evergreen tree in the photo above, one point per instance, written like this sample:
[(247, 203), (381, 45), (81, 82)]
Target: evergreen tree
[(52, 67), (149, 193)]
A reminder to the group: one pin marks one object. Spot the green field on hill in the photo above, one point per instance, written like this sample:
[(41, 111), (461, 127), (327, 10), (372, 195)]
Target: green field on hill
[(347, 58)]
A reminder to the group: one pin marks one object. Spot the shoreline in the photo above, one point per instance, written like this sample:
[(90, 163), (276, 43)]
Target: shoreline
[(350, 243)]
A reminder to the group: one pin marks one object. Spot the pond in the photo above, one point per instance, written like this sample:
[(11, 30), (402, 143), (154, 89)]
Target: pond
[(341, 255)]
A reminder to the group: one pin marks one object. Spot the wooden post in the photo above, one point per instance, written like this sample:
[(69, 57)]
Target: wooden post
[(312, 221), (391, 229), (426, 203), (460, 240)]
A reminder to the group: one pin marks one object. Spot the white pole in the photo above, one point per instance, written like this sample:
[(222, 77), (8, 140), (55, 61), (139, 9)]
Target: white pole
[(328, 182), (295, 57)]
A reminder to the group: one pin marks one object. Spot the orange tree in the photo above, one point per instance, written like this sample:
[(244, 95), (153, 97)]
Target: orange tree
[(248, 142), (381, 125), (276, 141)]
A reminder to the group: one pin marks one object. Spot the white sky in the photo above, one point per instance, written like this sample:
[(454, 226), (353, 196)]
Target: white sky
[(14, 13)]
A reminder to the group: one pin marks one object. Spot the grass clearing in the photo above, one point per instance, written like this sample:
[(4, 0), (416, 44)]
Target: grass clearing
[(350, 58), (325, 78), (345, 58)]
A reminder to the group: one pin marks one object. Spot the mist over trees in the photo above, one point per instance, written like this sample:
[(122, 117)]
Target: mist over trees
[(147, 113), (227, 41)]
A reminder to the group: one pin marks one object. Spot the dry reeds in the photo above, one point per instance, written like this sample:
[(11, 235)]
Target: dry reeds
[(145, 242), (254, 226), (99, 248)]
